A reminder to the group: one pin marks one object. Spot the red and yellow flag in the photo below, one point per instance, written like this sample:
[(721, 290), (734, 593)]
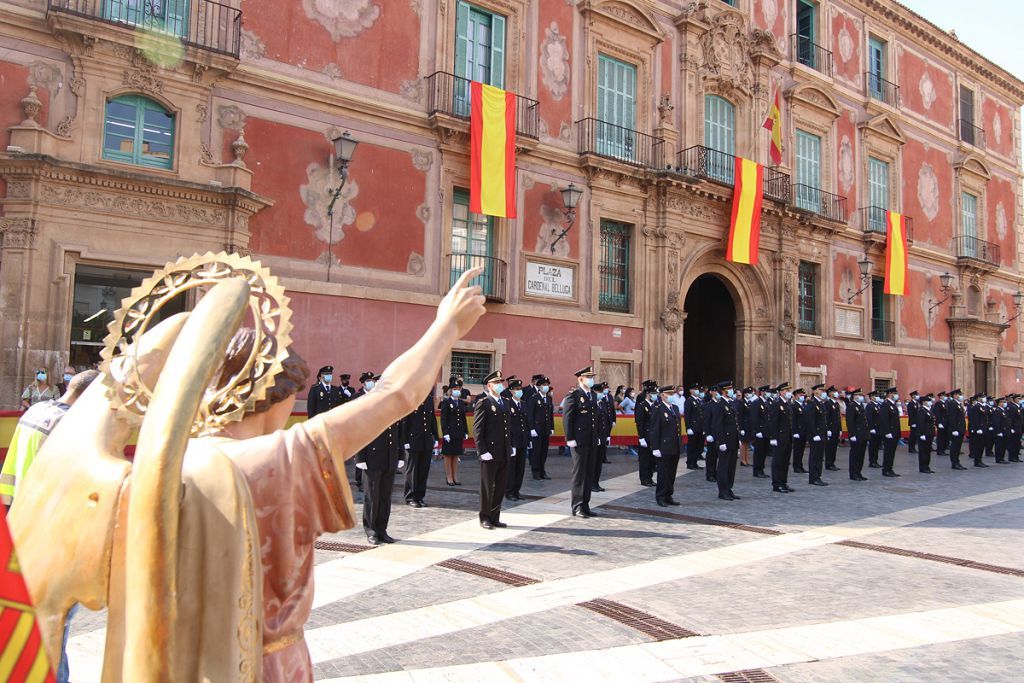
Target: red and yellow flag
[(745, 228), (774, 124), (22, 655), (895, 254), (492, 123)]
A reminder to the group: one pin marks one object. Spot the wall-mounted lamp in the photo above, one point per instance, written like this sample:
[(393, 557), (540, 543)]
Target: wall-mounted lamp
[(946, 282), (1018, 305), (865, 277), (570, 198), (344, 149)]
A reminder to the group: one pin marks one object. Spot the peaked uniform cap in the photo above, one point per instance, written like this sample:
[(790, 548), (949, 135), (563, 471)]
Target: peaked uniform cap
[(585, 372), (325, 369)]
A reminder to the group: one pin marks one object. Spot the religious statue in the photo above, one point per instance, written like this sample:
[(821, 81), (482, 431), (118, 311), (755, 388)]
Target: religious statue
[(201, 548)]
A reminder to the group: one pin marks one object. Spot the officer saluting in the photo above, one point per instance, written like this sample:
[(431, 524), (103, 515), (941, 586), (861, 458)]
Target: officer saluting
[(664, 435), (723, 436), (583, 437), (520, 438), (345, 392), (492, 431), (322, 396)]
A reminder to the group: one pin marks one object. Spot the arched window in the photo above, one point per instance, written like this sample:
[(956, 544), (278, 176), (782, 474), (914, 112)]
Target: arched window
[(137, 130), (720, 136), (974, 301)]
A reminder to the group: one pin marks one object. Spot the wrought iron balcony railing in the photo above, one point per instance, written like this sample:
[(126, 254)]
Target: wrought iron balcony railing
[(970, 133), (825, 204), (872, 220), (969, 247), (202, 24), (450, 94), (809, 53), (883, 332), (882, 90), (622, 144), (710, 164), (493, 280)]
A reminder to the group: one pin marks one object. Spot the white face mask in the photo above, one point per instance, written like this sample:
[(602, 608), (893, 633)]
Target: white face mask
[(544, 388), (731, 393), (590, 382), (456, 393), (370, 384), (788, 395)]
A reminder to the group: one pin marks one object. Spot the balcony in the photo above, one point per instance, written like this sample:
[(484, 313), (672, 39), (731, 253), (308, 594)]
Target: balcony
[(449, 95), (976, 253), (883, 332), (873, 222), (493, 280), (811, 54), (610, 141), (201, 24), (971, 134), (719, 167), (882, 90), (824, 204)]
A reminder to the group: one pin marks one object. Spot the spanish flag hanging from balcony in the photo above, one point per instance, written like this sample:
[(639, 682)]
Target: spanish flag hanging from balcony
[(22, 655), (895, 254), (492, 123), (745, 228), (774, 124)]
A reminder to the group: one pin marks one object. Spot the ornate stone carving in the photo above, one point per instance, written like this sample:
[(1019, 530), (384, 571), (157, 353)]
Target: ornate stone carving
[(76, 85), (144, 79), (725, 50), (763, 43), (526, 181), (554, 62), (694, 11), (412, 90), (665, 107), (332, 71), (230, 117), (316, 194), (31, 105), (671, 316), (251, 46), (44, 75), (239, 148), (342, 18), (19, 189), (205, 155), (422, 159), (423, 212), (197, 72), (63, 128), (130, 205), (202, 112), (17, 233), (415, 266)]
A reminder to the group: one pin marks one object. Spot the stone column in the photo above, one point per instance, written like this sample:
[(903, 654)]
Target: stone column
[(17, 242)]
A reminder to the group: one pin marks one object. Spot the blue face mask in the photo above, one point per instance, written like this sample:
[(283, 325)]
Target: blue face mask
[(800, 398), (456, 393), (591, 382), (544, 389), (370, 384), (328, 378), (702, 394), (67, 378), (40, 376), (518, 393), (731, 393), (498, 388)]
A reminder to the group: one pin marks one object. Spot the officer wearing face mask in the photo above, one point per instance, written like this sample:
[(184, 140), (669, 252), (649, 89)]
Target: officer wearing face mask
[(322, 396), (345, 392), (379, 461), (756, 429), (492, 432), (722, 435), (368, 381), (583, 437), (799, 406), (833, 429), (889, 427), (520, 438), (925, 434), (815, 428), (693, 414), (1016, 417), (857, 428), (779, 421), (941, 433), (540, 417), (641, 414), (956, 427), (666, 439), (1000, 427), (605, 424), (454, 430), (977, 422)]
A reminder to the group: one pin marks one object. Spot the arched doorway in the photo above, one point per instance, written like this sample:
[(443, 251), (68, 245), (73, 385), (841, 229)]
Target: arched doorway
[(709, 332)]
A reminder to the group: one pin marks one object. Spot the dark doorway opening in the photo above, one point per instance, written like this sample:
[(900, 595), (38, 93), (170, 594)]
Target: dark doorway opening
[(709, 333), (981, 368)]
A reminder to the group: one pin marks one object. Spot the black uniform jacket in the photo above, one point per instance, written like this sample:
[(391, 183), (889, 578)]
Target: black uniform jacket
[(383, 453), (581, 419), (421, 427), (492, 429), (779, 420), (520, 427), (693, 412), (540, 412), (453, 419), (663, 429), (322, 398), (720, 421), (857, 421)]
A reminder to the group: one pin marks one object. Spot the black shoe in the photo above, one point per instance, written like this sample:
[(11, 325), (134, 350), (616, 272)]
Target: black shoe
[(1001, 462), (647, 483), (580, 512), (499, 525), (537, 477), (544, 475), (450, 483), (422, 504), (800, 471), (788, 488), (413, 504), (456, 483), (744, 464), (606, 461), (726, 496), (760, 475), (874, 466), (980, 464), (385, 538), (661, 503), (673, 501), (486, 525), (591, 513), (510, 496), (373, 540), (1016, 460), (887, 473), (818, 482), (713, 479), (780, 489), (959, 467), (597, 488), (695, 467), (734, 496), (832, 468), (860, 478), (927, 471)]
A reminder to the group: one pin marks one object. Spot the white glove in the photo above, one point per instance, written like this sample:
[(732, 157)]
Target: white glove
[(873, 431), (513, 452), (447, 438), (608, 442), (978, 432), (888, 436), (361, 465), (743, 432), (828, 434), (401, 464), (816, 438), (570, 444), (689, 432), (759, 435), (551, 433), (942, 426), (853, 439), (990, 428), (956, 433), (1000, 434), (709, 438), (533, 433), (486, 457), (643, 443), (436, 444), (923, 437), (773, 442), (913, 426), (657, 454), (408, 447), (796, 436), (722, 448)]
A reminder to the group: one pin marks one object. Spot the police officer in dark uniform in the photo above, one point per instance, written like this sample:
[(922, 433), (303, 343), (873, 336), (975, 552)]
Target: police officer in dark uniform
[(322, 396), (379, 461), (540, 416), (780, 437), (913, 406), (889, 428), (799, 435), (833, 430), (941, 433), (345, 392), (605, 423), (815, 428), (977, 418), (722, 435), (645, 458), (454, 426), (859, 433), (693, 414), (664, 435), (990, 434), (757, 430), (368, 380), (739, 405), (875, 437), (583, 437), (520, 439), (492, 431), (1000, 426), (925, 434), (1016, 415), (421, 438), (956, 427)]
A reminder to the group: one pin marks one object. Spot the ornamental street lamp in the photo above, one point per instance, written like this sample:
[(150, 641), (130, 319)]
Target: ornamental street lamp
[(570, 198), (865, 277), (344, 149), (946, 282), (1018, 303)]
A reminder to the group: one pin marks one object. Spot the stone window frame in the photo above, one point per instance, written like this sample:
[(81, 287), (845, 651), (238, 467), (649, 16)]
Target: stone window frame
[(815, 111), (821, 371), (744, 140), (882, 139), (891, 376), (168, 105), (451, 179), (516, 19), (634, 358), (618, 215), (497, 347), (971, 175)]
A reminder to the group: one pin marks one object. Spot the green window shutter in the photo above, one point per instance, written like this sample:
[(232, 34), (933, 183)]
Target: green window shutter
[(969, 225), (878, 194), (614, 267), (138, 131), (876, 67), (616, 108), (472, 241), (720, 136), (176, 17), (498, 51), (808, 171), (462, 40)]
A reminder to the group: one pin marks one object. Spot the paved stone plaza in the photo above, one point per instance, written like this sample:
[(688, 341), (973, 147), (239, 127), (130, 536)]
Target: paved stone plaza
[(919, 578)]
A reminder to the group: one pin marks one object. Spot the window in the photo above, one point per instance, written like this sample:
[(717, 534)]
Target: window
[(614, 266), (806, 21), (169, 16), (807, 298), (138, 131), (472, 367), (616, 108), (472, 242), (878, 194), (479, 51), (720, 136), (967, 129), (882, 384), (808, 171), (876, 68), (969, 225), (882, 327)]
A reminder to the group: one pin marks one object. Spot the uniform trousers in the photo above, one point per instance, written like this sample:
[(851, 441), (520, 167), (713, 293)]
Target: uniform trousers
[(780, 460), (954, 446), (760, 453), (493, 475), (417, 469), (817, 459), (941, 441), (1013, 447), (711, 462), (726, 465), (857, 450), (516, 472), (889, 453), (1000, 447), (377, 501), (694, 445), (601, 453), (874, 442), (582, 476), (924, 453), (912, 439), (976, 445), (831, 448), (799, 445), (645, 456), (539, 453), (990, 442), (668, 466)]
